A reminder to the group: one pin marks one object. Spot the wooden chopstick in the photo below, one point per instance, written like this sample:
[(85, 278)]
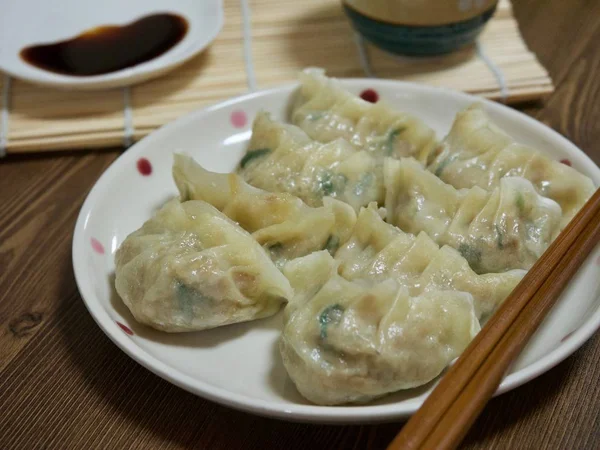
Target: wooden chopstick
[(457, 420), (571, 247)]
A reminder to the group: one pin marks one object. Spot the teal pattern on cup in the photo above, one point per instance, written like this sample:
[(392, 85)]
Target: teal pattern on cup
[(419, 40)]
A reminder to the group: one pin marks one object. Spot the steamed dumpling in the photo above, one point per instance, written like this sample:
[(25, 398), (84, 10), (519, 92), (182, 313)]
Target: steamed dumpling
[(307, 275), (352, 341), (284, 225), (478, 153), (191, 268), (507, 228), (326, 112), (282, 158), (378, 250)]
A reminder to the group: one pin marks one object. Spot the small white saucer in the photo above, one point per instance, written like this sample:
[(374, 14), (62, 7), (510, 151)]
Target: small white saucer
[(29, 22)]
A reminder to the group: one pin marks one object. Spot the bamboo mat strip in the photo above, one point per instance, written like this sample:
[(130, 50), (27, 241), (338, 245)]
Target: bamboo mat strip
[(282, 37)]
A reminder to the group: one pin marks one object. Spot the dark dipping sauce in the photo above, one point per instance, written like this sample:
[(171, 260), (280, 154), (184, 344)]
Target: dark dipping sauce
[(109, 48)]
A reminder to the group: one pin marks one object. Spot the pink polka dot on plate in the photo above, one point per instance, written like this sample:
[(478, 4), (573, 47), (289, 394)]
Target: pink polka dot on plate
[(239, 119), (144, 167), (125, 328), (369, 95), (598, 261), (566, 162), (97, 246)]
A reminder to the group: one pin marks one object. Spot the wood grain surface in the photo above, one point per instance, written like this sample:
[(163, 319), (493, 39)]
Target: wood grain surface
[(63, 384)]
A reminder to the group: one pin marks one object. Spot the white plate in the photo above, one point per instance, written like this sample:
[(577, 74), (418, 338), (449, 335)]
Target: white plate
[(239, 365), (29, 22)]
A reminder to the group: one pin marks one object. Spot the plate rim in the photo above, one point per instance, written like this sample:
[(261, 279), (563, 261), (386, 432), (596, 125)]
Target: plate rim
[(302, 412)]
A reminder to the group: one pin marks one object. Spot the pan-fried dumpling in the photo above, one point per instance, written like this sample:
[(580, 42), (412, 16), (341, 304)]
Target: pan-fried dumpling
[(284, 225), (478, 153), (507, 228), (191, 268), (377, 250), (282, 158), (352, 341), (326, 112)]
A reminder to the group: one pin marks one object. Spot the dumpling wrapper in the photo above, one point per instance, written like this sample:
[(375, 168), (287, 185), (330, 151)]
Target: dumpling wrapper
[(282, 158), (191, 268), (506, 228), (353, 341), (326, 112), (378, 250), (478, 153), (284, 225)]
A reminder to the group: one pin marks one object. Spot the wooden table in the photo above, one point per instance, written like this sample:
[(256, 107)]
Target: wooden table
[(63, 384)]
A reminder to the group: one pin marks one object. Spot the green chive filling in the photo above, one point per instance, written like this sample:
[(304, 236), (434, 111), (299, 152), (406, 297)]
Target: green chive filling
[(520, 203), (389, 142), (330, 184), (187, 297), (471, 254), (500, 238), (330, 315), (332, 244), (252, 155)]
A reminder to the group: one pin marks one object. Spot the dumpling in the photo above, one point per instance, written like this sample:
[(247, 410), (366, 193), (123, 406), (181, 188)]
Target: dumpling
[(191, 268), (507, 228), (352, 341), (478, 153), (284, 225), (307, 275), (282, 158), (377, 250), (326, 112)]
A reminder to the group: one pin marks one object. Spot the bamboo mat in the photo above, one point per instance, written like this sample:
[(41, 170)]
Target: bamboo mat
[(286, 36)]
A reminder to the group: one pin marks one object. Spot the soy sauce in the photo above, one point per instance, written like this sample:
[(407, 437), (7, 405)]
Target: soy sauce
[(109, 48)]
